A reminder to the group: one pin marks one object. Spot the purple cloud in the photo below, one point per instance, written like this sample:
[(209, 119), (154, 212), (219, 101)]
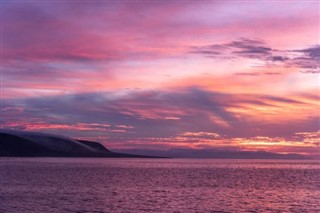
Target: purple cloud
[(148, 113), (308, 60)]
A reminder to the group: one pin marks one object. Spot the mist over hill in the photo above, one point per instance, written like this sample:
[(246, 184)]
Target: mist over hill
[(34, 144)]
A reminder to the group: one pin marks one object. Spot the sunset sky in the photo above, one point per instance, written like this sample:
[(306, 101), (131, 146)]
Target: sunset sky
[(223, 75)]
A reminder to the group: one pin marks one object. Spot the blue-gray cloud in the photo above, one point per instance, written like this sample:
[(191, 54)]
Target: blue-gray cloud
[(153, 113), (308, 59)]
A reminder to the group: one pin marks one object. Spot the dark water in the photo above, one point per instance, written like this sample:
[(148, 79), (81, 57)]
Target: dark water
[(158, 185)]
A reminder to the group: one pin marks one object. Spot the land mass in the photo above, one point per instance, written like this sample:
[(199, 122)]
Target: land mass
[(34, 144), (207, 153)]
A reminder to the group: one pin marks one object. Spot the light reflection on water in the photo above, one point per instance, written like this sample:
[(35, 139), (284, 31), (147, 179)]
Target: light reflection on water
[(158, 185)]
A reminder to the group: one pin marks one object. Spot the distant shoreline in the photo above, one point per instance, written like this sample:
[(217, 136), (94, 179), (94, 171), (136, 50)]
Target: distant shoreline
[(34, 144)]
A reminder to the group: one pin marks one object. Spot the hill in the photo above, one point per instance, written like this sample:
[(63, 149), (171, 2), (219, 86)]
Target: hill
[(34, 144)]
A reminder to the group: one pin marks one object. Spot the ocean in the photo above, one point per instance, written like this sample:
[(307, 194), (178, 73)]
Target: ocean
[(58, 185)]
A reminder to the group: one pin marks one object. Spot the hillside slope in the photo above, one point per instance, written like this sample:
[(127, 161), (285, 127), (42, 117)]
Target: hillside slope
[(34, 144)]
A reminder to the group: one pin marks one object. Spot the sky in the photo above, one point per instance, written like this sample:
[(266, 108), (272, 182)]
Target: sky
[(159, 75)]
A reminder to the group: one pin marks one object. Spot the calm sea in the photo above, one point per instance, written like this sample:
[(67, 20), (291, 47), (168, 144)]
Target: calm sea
[(158, 185)]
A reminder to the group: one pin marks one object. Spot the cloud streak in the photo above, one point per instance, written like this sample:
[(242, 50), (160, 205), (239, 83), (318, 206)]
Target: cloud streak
[(308, 59), (201, 117)]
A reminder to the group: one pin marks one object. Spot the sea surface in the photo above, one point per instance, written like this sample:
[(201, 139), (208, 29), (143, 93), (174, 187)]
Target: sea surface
[(47, 185)]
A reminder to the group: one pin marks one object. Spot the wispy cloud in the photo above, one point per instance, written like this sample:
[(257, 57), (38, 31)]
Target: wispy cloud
[(198, 114), (308, 59)]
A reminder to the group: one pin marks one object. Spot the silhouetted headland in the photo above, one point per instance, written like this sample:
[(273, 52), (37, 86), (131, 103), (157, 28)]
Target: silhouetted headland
[(33, 144)]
